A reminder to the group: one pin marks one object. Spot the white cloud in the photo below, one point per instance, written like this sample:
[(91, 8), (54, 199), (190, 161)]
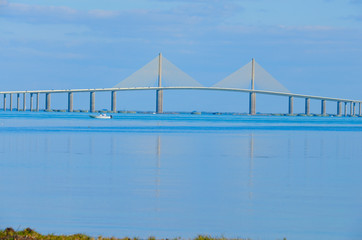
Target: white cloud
[(98, 13), (49, 14), (32, 9), (307, 28), (33, 52)]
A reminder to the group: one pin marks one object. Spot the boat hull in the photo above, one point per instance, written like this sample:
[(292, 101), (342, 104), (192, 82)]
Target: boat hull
[(100, 117)]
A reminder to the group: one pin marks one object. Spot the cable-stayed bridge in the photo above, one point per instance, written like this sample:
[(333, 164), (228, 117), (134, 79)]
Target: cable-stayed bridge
[(160, 75)]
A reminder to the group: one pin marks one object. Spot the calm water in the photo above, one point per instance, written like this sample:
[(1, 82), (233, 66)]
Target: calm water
[(182, 175)]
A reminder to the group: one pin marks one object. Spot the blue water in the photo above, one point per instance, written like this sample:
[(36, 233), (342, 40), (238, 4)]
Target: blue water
[(182, 175)]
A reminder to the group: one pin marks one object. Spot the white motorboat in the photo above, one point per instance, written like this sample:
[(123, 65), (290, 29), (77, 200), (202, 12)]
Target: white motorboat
[(101, 116)]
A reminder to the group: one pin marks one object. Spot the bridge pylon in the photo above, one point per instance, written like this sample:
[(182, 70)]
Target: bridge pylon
[(252, 94), (159, 72), (159, 93)]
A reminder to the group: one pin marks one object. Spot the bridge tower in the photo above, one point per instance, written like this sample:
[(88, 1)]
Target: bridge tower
[(159, 93), (252, 94)]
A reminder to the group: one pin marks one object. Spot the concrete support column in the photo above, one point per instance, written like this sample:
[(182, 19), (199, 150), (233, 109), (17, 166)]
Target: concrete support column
[(290, 105), (159, 93), (159, 101), (47, 102), (70, 102), (92, 102), (252, 104), (351, 108), (323, 107), (24, 102), (37, 102), (31, 102), (307, 106), (354, 109), (11, 102), (339, 108), (18, 102), (345, 109), (114, 101), (359, 112), (4, 102)]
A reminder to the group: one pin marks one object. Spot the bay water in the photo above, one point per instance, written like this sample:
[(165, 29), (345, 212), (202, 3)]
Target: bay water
[(180, 175)]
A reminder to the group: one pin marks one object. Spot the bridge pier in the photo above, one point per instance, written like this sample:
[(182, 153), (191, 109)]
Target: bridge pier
[(4, 102), (290, 105), (70, 102), (359, 112), (354, 109), (159, 101), (252, 94), (339, 108), (114, 101), (18, 102), (37, 102), (351, 108), (159, 93), (11, 102), (47, 102), (307, 106), (92, 102), (24, 102), (323, 107), (31, 102), (252, 104), (345, 109)]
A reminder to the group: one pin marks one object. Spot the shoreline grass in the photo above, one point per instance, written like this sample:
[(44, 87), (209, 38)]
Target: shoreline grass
[(30, 234)]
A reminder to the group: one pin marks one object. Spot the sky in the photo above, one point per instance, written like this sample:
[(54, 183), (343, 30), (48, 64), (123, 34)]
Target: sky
[(310, 46)]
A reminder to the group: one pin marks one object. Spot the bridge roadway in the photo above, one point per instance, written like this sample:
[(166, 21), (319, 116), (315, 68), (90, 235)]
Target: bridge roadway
[(114, 90)]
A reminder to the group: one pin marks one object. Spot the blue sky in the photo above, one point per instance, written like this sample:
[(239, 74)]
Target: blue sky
[(310, 46)]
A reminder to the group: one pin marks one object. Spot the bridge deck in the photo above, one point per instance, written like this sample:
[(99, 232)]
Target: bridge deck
[(185, 88)]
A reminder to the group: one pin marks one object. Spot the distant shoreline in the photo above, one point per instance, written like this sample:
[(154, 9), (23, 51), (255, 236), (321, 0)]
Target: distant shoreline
[(189, 113)]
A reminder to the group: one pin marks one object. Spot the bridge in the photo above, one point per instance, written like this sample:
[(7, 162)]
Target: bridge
[(161, 75)]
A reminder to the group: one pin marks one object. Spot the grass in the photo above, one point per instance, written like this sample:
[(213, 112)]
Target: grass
[(30, 234)]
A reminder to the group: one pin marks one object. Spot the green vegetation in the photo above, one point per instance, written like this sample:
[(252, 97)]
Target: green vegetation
[(196, 113), (30, 234)]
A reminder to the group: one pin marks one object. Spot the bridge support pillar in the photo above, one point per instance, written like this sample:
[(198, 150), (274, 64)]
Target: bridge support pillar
[(323, 107), (351, 108), (359, 112), (37, 102), (47, 102), (307, 106), (290, 105), (31, 102), (159, 101), (339, 108), (354, 109), (159, 93), (252, 104), (18, 102), (345, 109), (92, 102), (24, 102), (114, 101), (4, 102), (11, 102), (252, 94), (70, 102)]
